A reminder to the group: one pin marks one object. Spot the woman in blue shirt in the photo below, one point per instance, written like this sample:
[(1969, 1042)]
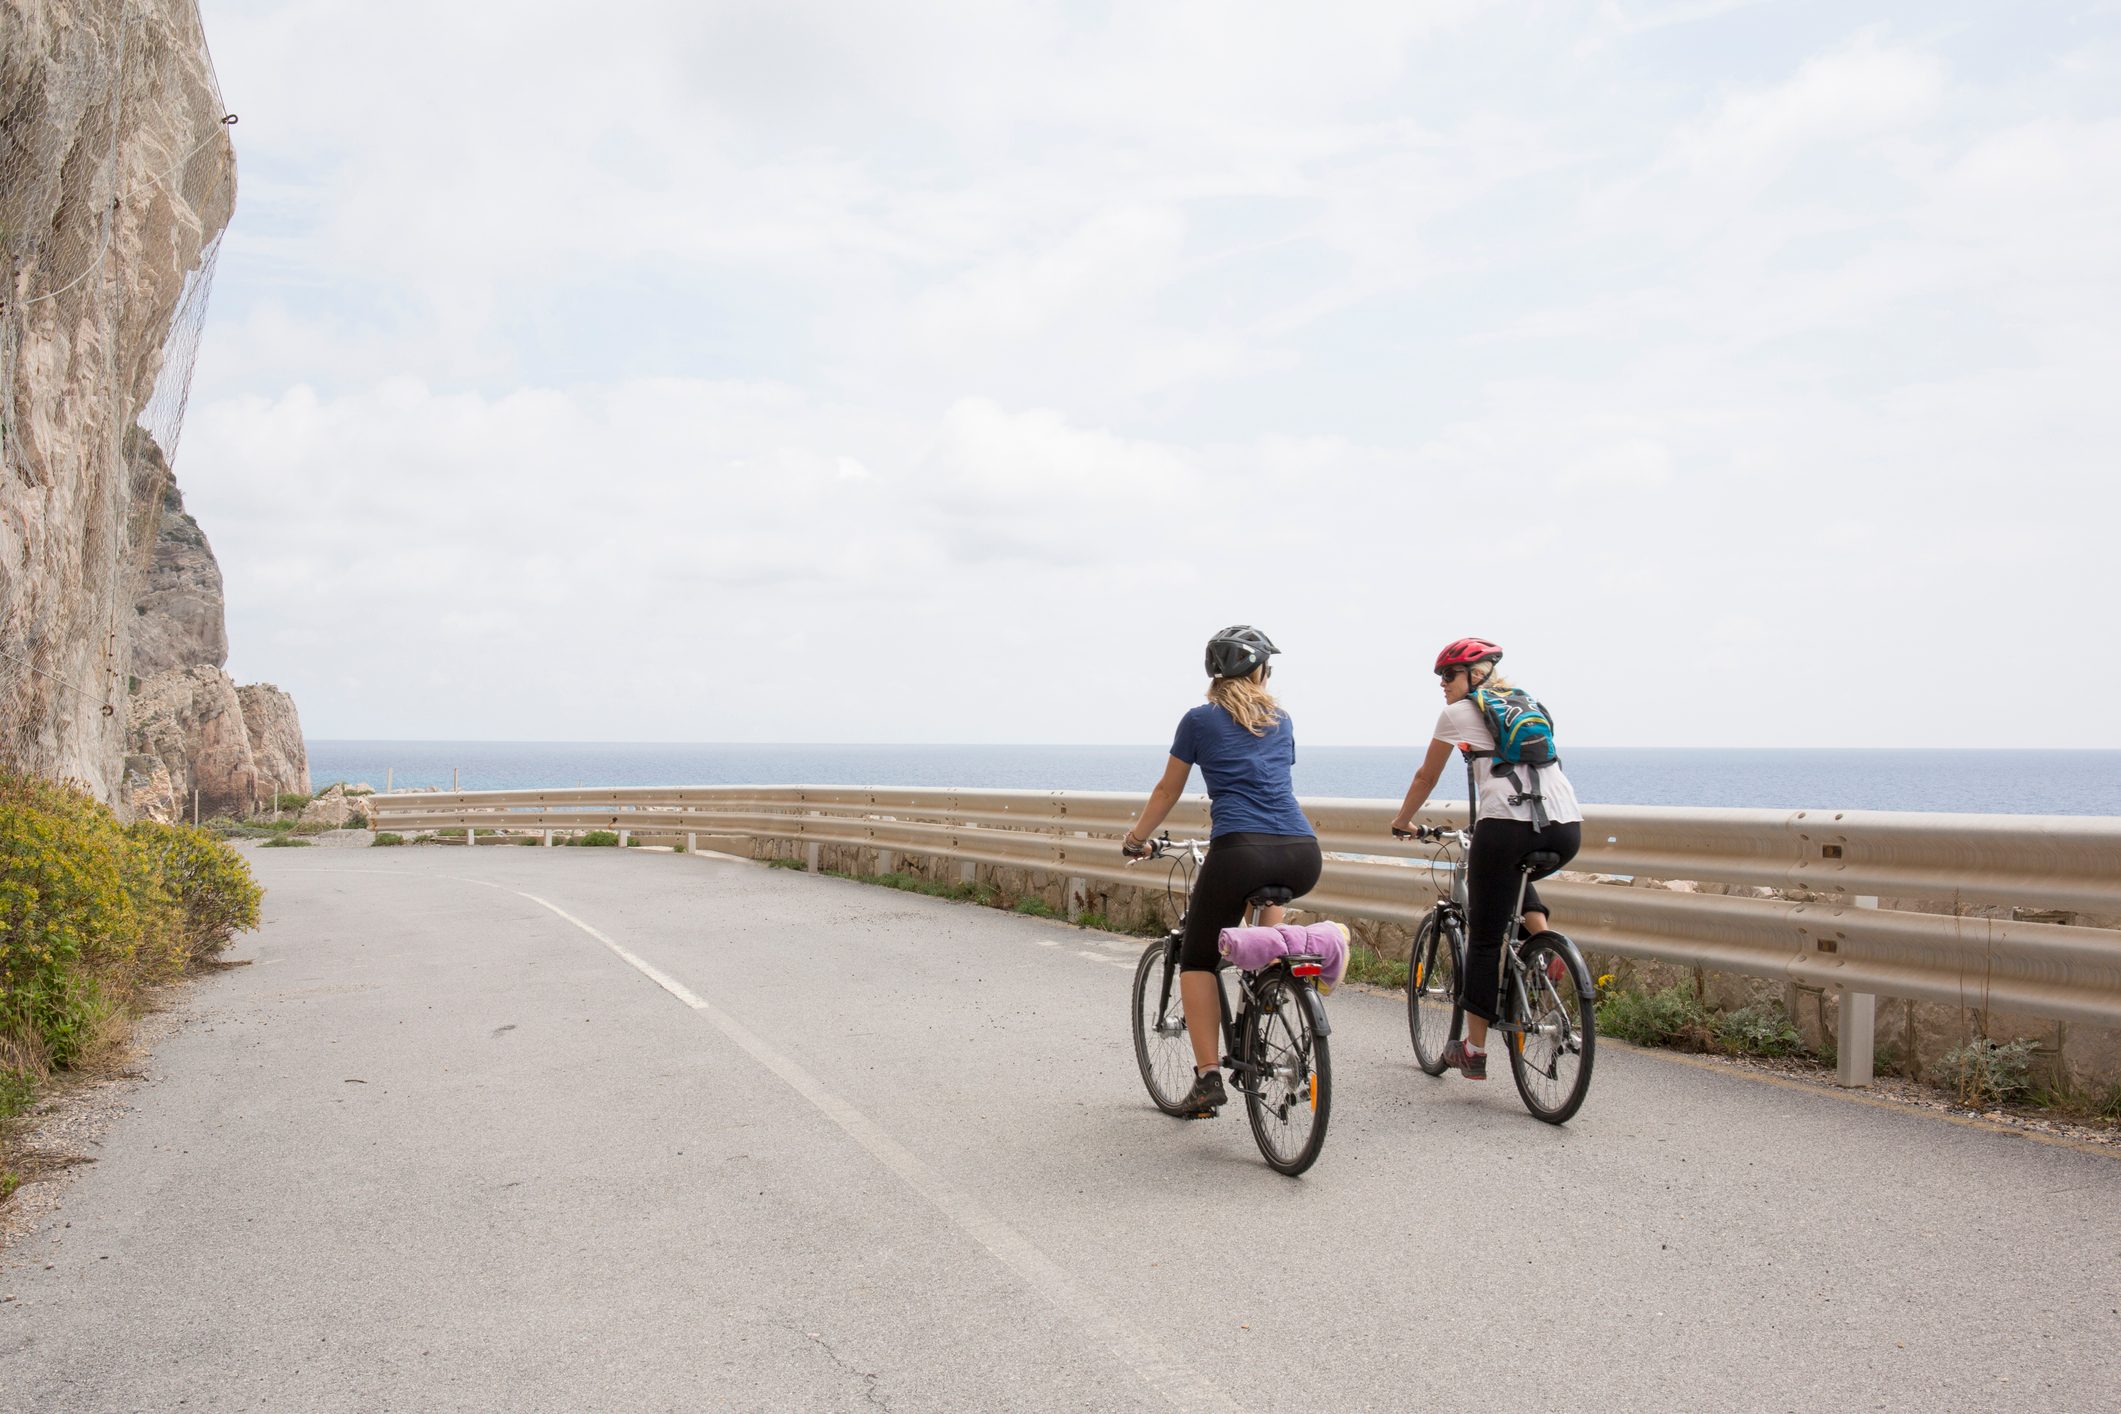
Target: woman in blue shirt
[(1244, 745)]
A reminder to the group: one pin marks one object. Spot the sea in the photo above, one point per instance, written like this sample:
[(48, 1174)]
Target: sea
[(2009, 782)]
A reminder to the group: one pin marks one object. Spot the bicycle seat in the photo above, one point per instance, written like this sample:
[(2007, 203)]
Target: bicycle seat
[(1540, 860), (1271, 897)]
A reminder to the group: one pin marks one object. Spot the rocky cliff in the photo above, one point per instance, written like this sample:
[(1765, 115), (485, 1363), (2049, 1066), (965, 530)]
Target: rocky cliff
[(116, 179), (194, 739), (180, 614)]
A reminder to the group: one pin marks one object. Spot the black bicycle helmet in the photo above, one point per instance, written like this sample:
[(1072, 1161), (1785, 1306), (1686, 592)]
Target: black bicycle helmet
[(1237, 651)]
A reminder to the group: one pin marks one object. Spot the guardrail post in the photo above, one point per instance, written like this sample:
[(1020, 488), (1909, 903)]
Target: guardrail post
[(1855, 1052), (884, 861), (623, 835), (810, 856), (1078, 898), (968, 872), (548, 839), (471, 836), (692, 842)]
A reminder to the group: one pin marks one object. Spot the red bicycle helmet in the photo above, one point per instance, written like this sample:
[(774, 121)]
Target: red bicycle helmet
[(1464, 652)]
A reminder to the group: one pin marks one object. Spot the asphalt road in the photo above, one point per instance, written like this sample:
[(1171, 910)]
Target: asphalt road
[(514, 1129)]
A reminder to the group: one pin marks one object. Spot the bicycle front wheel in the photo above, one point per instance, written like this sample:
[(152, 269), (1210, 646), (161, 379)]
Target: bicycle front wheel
[(1289, 1097), (1161, 1046), (1433, 1013), (1551, 1058)]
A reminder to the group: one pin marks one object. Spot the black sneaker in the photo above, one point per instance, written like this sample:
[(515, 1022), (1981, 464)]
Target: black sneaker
[(1205, 1098)]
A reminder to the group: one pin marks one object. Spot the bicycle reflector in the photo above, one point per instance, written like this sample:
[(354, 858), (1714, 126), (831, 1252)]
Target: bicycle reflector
[(1307, 969)]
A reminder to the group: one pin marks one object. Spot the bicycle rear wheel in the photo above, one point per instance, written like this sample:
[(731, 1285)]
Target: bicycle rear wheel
[(1433, 1013), (1290, 1097), (1551, 1058), (1161, 1046)]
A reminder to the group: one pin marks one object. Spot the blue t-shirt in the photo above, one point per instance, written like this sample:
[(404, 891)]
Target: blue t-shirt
[(1247, 775)]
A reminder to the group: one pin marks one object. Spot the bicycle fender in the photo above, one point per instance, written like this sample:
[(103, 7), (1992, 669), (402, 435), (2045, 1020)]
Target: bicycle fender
[(1316, 1006), (1588, 991)]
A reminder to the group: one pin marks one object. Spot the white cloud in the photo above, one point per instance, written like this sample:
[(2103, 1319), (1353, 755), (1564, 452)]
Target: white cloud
[(670, 375)]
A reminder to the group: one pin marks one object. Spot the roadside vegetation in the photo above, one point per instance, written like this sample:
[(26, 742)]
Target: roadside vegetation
[(95, 914)]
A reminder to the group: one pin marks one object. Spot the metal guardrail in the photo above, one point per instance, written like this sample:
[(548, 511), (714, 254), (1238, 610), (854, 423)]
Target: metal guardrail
[(1831, 934)]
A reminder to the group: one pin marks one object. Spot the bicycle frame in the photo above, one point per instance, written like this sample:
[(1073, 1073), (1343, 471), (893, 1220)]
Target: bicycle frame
[(1249, 984)]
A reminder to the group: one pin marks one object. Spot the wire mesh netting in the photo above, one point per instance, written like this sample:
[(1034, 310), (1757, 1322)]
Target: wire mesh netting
[(117, 177)]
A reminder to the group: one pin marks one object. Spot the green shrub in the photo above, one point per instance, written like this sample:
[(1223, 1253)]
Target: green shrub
[(1366, 964), (596, 839), (288, 800), (1982, 1072), (288, 842), (786, 864), (208, 884), (93, 910), (1672, 1017), (388, 837), (17, 1089), (1032, 906), (71, 894), (1763, 1029)]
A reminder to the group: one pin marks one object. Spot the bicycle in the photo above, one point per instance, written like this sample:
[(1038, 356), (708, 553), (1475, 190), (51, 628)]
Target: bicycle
[(1278, 1056), (1550, 1031)]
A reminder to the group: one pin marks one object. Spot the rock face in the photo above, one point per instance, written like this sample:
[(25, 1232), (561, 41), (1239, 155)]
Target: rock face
[(116, 180), (335, 808), (276, 745), (180, 617), (192, 721), (149, 792)]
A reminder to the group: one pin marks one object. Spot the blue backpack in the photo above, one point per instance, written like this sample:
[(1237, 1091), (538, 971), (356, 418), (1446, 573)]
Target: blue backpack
[(1524, 741)]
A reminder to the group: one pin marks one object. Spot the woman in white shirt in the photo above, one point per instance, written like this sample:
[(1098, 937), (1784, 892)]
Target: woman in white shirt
[(1507, 827)]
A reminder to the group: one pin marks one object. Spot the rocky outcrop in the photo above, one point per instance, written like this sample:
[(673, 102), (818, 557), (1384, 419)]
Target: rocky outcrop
[(192, 721), (336, 809), (116, 179), (180, 616), (149, 792), (276, 746)]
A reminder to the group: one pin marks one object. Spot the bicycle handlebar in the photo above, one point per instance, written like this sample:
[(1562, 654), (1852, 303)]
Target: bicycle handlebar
[(1160, 846)]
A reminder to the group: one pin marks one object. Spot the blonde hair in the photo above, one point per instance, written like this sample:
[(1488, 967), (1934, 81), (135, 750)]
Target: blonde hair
[(1493, 682), (1247, 701)]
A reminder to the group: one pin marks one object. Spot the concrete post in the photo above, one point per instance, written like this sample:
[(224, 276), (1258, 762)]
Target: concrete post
[(692, 842), (548, 839), (1855, 1053), (884, 861), (968, 872), (810, 857), (624, 835), (471, 836), (1078, 898)]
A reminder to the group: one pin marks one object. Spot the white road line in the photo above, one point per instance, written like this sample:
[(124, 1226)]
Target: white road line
[(1183, 1387)]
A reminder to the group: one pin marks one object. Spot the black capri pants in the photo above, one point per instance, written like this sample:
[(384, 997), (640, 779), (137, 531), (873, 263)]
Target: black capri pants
[(1492, 871), (1238, 864)]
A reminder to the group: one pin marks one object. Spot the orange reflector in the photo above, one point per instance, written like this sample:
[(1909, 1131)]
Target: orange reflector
[(1314, 1091)]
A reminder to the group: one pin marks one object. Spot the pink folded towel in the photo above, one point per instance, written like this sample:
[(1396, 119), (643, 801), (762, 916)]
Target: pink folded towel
[(1253, 948)]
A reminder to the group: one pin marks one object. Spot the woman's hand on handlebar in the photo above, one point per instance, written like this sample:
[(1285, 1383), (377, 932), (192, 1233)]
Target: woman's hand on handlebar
[(1135, 849)]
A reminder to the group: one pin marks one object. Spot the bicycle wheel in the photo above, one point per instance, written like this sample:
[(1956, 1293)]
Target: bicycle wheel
[(1290, 1098), (1551, 1058), (1161, 1045), (1433, 1013)]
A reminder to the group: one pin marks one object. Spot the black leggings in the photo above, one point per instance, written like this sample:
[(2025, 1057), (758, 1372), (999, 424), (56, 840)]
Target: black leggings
[(1492, 871), (1238, 864)]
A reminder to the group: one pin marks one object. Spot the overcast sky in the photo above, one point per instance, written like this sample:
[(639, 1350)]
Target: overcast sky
[(787, 371)]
